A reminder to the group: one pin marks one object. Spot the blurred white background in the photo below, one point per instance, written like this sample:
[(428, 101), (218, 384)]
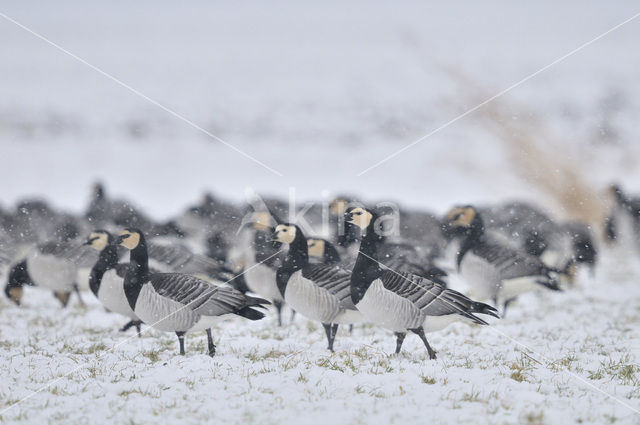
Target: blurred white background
[(318, 92)]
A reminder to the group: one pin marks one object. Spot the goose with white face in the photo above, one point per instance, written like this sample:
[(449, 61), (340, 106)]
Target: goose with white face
[(359, 216), (98, 240), (179, 302), (106, 279), (284, 233), (318, 291), (494, 270), (315, 247)]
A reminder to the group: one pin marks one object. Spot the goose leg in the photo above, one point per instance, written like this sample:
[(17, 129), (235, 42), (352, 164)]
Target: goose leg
[(131, 323), (293, 315), (278, 306), (181, 340), (504, 307), (77, 291), (334, 332), (399, 340), (420, 333), (328, 329), (212, 346), (351, 328), (63, 297)]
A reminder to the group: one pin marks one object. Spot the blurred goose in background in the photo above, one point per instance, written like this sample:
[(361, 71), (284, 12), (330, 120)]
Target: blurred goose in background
[(262, 258), (177, 302), (525, 227), (318, 291), (403, 302), (103, 212), (584, 247), (495, 270), (51, 265), (321, 251), (623, 222)]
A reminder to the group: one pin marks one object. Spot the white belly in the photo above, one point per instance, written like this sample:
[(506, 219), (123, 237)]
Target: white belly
[(389, 310), (511, 288), (207, 322), (162, 313), (483, 279), (51, 272), (308, 299), (261, 280), (347, 317), (111, 295), (437, 323)]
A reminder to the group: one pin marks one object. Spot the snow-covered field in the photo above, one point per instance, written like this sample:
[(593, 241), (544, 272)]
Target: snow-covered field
[(558, 358), (320, 92)]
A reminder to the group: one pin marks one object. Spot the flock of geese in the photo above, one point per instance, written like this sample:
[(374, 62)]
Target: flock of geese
[(341, 264)]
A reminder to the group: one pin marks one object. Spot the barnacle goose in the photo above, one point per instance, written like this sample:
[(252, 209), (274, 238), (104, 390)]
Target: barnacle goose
[(106, 280), (493, 270), (177, 302), (321, 251), (622, 225), (584, 248), (400, 257), (399, 301), (262, 258), (51, 265), (318, 291), (528, 228)]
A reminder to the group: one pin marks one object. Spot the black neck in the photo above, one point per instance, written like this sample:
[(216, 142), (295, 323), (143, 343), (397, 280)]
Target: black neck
[(137, 273), (473, 237), (297, 258), (367, 269), (331, 255), (19, 276), (107, 260)]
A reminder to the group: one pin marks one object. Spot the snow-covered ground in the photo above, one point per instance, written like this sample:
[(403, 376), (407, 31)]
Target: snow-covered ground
[(558, 358), (320, 92)]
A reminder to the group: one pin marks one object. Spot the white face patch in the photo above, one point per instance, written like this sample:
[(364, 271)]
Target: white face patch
[(360, 217), (461, 217), (132, 240), (261, 220), (316, 247), (100, 241), (285, 234), (338, 207)]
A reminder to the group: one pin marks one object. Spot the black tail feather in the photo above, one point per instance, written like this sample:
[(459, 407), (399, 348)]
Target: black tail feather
[(250, 313), (483, 308)]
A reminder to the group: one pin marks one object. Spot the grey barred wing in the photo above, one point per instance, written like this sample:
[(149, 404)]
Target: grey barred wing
[(83, 256), (510, 262), (332, 279), (200, 296), (433, 299)]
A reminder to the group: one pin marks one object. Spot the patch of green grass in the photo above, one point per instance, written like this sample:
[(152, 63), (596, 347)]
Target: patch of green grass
[(471, 397), (326, 362), (152, 355), (534, 418), (521, 368), (94, 348), (427, 380)]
